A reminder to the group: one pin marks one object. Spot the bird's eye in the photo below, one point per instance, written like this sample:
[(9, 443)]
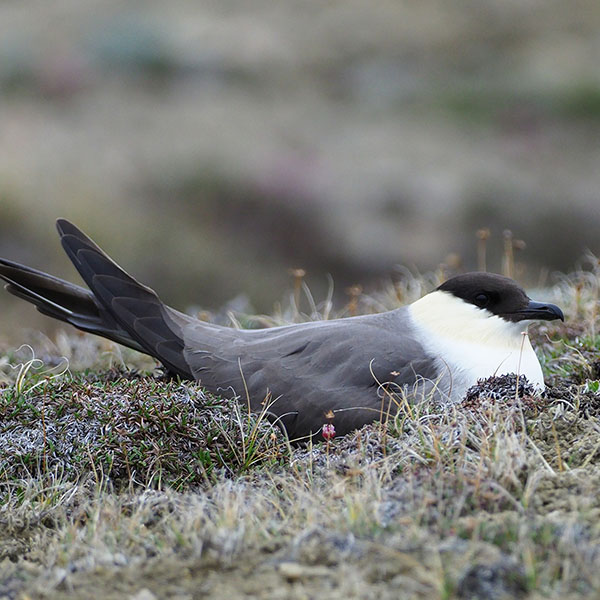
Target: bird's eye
[(482, 300)]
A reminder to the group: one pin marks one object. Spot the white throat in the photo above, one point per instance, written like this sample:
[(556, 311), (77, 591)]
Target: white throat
[(472, 343)]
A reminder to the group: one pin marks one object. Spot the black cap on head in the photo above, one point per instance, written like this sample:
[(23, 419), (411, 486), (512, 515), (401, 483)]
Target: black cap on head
[(499, 295)]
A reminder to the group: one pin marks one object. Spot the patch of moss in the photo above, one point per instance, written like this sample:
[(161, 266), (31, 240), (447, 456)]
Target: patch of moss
[(130, 429)]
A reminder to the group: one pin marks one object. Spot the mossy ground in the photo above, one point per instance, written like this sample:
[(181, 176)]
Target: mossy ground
[(121, 484)]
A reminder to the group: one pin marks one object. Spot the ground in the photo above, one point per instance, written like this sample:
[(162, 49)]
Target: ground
[(121, 483)]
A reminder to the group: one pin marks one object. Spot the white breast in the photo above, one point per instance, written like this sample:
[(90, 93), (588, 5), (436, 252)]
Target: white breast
[(472, 343)]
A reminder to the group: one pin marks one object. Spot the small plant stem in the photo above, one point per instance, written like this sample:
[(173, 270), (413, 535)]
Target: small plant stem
[(298, 275), (45, 454), (561, 466), (524, 334), (508, 259), (482, 237)]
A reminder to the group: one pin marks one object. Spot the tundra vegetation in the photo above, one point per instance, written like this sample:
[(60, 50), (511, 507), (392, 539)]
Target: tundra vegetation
[(118, 482)]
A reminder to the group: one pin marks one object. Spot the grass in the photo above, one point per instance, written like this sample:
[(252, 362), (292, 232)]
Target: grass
[(129, 429), (116, 484)]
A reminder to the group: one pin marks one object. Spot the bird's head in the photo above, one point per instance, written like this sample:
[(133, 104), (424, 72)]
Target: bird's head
[(500, 296), (479, 306)]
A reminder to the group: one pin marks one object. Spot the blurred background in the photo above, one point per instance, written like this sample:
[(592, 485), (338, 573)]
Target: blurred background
[(211, 146)]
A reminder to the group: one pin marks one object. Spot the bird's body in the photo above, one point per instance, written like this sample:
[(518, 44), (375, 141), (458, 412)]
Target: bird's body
[(355, 368)]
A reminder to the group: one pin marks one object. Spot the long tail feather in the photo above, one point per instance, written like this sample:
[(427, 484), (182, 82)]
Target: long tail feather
[(135, 307), (62, 300)]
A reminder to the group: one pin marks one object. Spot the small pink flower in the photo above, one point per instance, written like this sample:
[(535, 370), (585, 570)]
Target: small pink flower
[(328, 431)]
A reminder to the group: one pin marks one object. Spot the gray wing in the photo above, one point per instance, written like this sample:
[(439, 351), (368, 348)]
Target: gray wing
[(136, 308), (312, 368), (304, 371)]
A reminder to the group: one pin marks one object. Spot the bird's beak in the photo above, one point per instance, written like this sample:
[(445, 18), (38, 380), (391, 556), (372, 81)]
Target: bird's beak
[(541, 311)]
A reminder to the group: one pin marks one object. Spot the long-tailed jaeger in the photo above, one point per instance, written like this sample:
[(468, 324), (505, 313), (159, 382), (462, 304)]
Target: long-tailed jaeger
[(355, 368)]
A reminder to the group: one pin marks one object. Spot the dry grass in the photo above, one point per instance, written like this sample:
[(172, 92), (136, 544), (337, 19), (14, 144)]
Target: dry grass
[(495, 498)]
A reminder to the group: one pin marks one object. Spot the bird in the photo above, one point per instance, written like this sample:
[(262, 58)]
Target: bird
[(344, 372)]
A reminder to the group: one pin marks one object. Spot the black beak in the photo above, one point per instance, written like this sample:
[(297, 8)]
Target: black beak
[(541, 311)]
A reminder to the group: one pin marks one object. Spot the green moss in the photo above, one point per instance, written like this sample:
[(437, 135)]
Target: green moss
[(130, 429)]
